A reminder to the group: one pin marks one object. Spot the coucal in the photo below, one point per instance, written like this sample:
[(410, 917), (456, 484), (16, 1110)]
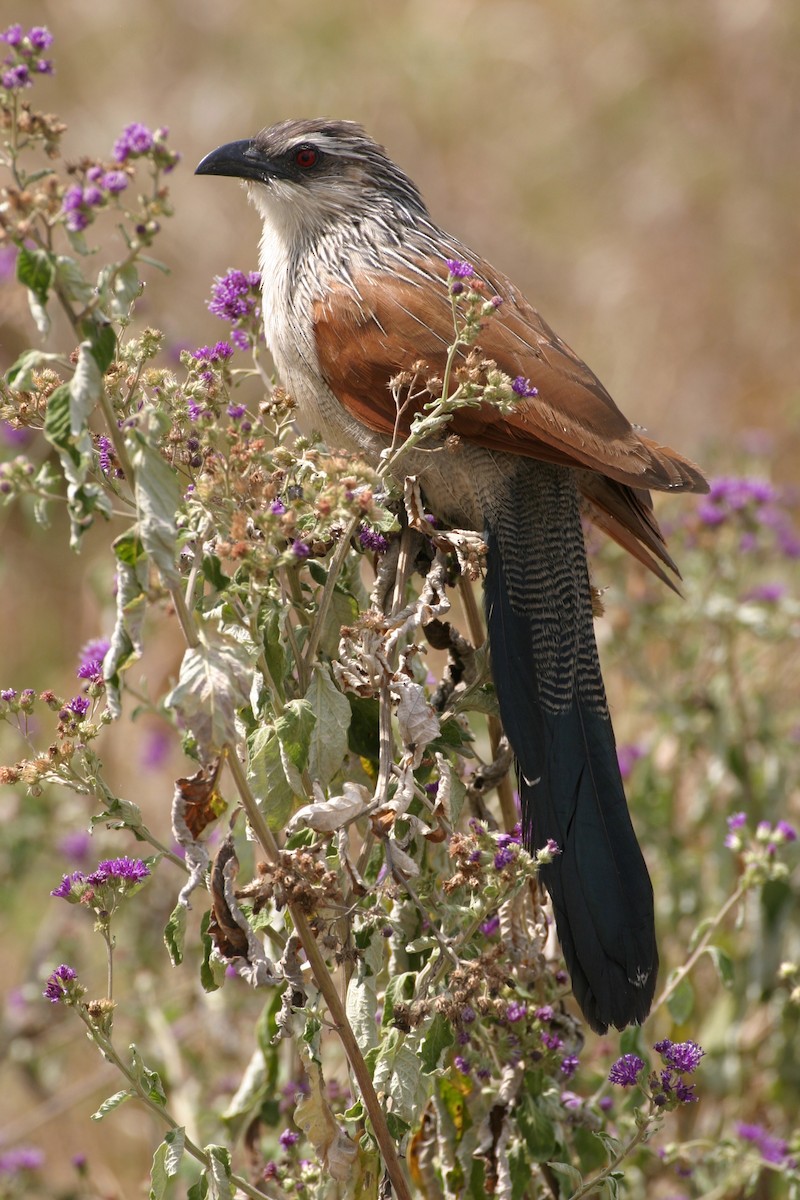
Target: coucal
[(355, 291)]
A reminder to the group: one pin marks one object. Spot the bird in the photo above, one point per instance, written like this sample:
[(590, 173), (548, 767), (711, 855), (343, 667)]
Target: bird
[(356, 279)]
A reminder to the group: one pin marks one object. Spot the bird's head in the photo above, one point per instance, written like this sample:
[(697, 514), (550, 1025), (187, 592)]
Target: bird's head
[(306, 175)]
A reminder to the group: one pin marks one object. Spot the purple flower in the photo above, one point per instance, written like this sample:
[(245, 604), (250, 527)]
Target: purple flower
[(773, 1149), (24, 1158), (737, 820), (523, 387), (516, 1011), (300, 549), (277, 508), (605, 1103), (119, 871), (8, 694), (240, 339), (551, 1040), (569, 1065), (18, 76), (544, 1013), (460, 269), (212, 354), (490, 926), (625, 1070), (503, 858), (785, 832), (231, 295), (462, 1064), (12, 36), (627, 755), (685, 1092), (75, 847), (64, 889), (92, 655), (236, 411), (370, 539), (682, 1056), (766, 593), (571, 1101), (288, 1138), (79, 705), (136, 139), (93, 195), (57, 986), (40, 38), (115, 181)]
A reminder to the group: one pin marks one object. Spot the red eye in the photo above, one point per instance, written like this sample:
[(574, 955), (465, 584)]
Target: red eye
[(306, 157)]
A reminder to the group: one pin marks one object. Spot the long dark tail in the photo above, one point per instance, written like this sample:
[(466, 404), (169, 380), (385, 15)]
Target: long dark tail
[(552, 702)]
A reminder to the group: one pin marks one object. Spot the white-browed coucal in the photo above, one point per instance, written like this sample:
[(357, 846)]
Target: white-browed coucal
[(355, 292)]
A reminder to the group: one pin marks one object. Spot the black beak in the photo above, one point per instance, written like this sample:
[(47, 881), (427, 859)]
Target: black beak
[(240, 160)]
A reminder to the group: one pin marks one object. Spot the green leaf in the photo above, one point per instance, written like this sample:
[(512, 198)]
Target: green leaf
[(166, 1161), (19, 377), (267, 778), (131, 602), (85, 389), (57, 421), (199, 1189), (148, 1080), (331, 710), (571, 1174), (36, 272), (274, 651), (158, 496), (723, 964), (218, 1173), (294, 728), (681, 1002), (111, 1103), (362, 991), (536, 1128), (175, 934), (364, 732), (103, 341), (72, 280), (398, 1075), (343, 610), (211, 971), (399, 989), (214, 681), (438, 1037)]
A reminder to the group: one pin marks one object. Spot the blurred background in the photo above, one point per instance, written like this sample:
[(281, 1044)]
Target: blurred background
[(633, 165)]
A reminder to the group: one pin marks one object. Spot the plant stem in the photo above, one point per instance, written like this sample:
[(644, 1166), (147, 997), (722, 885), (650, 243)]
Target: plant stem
[(701, 946), (327, 987), (637, 1139), (106, 1048)]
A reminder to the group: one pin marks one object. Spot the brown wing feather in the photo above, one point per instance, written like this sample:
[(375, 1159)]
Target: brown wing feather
[(363, 339)]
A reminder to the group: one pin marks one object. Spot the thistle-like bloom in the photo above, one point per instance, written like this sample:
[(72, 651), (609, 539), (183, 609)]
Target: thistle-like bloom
[(93, 653), (234, 295), (59, 984), (773, 1149), (64, 889), (625, 1070), (569, 1065), (459, 269), (523, 387), (119, 871), (22, 1158), (135, 140), (681, 1056)]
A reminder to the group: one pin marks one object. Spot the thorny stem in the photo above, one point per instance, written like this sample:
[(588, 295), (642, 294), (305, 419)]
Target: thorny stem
[(327, 987)]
